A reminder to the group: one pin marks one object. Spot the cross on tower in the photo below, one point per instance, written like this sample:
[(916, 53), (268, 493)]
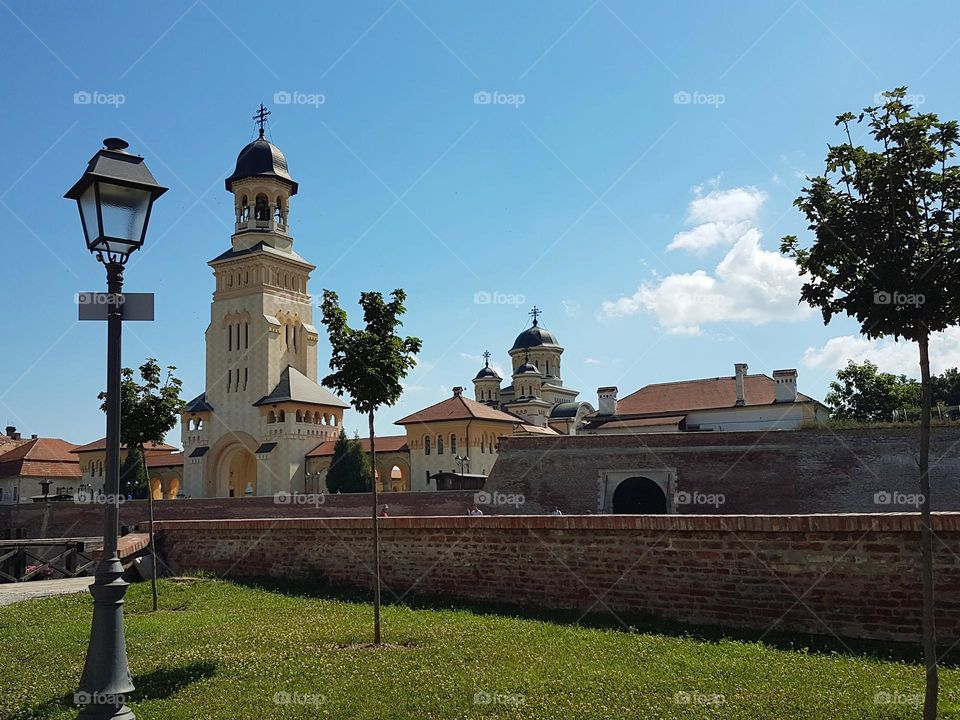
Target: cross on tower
[(261, 117), (535, 314), (486, 358)]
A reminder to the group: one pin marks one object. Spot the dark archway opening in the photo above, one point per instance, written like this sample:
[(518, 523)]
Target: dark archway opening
[(639, 496)]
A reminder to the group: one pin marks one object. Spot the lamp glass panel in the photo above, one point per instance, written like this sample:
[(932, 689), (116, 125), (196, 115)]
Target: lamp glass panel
[(88, 212), (124, 211)]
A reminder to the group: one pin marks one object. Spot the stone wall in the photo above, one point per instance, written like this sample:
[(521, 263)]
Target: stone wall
[(67, 519), (784, 472), (844, 575)]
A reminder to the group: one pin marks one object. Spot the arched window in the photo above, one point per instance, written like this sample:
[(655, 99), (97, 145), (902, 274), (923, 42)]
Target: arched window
[(426, 444), (272, 417), (453, 444), (281, 416), (483, 443), (261, 210), (244, 209), (299, 416), (333, 420), (439, 444), (278, 212)]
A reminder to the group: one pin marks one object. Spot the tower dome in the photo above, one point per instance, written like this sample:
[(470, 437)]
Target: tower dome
[(535, 337), (261, 159)]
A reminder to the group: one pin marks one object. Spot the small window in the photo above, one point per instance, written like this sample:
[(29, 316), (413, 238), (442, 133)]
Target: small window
[(426, 446), (439, 444), (453, 444)]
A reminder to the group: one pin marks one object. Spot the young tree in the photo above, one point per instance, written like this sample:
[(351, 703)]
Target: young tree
[(148, 411), (369, 364), (861, 392), (886, 253), (349, 467), (133, 475)]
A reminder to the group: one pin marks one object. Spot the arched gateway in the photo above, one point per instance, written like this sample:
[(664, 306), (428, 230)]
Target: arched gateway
[(639, 496)]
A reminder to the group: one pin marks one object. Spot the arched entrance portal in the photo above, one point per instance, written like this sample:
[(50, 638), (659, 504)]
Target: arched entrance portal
[(238, 472), (639, 496)]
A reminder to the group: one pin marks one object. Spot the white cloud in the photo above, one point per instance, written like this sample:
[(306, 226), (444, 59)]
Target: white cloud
[(719, 217), (571, 308), (591, 361), (887, 354), (749, 285)]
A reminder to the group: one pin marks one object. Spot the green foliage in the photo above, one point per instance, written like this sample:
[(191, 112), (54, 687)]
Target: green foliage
[(946, 387), (133, 475), (148, 409), (221, 651), (862, 393), (369, 364), (349, 468), (885, 223)]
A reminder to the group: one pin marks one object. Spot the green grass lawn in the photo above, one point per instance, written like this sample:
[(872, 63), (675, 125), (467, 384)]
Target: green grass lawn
[(219, 650)]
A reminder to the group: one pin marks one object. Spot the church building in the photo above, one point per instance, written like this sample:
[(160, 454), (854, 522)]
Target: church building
[(536, 394), (262, 410)]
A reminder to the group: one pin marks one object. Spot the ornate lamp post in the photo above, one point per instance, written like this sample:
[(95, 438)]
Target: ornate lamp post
[(463, 460), (114, 196)]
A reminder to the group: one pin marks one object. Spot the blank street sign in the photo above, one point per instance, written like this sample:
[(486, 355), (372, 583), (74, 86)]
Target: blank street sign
[(133, 306)]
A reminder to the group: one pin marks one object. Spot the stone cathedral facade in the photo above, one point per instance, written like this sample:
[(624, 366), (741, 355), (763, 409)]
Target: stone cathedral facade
[(262, 411)]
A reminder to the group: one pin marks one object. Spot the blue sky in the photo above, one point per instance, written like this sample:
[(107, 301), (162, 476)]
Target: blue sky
[(631, 175)]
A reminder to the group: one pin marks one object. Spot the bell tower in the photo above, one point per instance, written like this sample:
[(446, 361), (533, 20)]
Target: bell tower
[(262, 409)]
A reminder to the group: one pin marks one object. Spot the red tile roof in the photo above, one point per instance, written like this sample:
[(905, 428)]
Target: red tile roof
[(709, 393), (165, 459), (672, 420), (101, 444), (458, 407), (41, 457), (385, 443)]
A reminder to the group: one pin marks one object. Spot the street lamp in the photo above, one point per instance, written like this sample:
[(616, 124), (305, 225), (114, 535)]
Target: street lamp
[(114, 196), (463, 460)]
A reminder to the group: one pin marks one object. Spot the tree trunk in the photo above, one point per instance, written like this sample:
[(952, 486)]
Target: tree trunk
[(376, 535), (153, 548), (926, 541)]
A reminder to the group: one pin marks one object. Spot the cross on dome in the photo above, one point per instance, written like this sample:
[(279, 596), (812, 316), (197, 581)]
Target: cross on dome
[(261, 117)]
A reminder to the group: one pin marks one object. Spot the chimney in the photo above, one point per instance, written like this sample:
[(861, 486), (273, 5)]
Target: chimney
[(10, 431), (607, 400), (740, 370), (785, 385), (457, 391)]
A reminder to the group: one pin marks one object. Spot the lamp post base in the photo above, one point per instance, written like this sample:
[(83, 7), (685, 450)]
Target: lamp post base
[(106, 683)]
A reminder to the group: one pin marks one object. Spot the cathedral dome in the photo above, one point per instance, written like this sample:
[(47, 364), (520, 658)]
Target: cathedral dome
[(261, 158), (528, 368), (487, 372), (535, 336)]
